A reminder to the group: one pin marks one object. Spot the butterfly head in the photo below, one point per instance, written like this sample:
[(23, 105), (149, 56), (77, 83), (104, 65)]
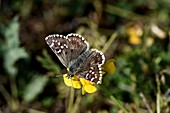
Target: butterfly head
[(70, 74)]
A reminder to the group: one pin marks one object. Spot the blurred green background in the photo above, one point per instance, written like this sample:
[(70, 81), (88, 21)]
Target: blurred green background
[(141, 49)]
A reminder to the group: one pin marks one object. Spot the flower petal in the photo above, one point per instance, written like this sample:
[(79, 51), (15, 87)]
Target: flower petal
[(77, 84), (85, 82), (109, 66), (135, 35), (83, 91), (90, 88), (87, 86), (72, 82)]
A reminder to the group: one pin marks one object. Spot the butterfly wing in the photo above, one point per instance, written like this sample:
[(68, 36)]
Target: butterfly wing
[(67, 48), (88, 65), (60, 46), (77, 45), (92, 73)]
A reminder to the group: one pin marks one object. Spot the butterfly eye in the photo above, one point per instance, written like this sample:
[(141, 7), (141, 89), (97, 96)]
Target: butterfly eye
[(70, 75), (71, 69), (72, 50), (66, 52)]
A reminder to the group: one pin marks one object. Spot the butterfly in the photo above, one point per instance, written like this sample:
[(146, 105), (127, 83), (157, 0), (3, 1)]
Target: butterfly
[(74, 53)]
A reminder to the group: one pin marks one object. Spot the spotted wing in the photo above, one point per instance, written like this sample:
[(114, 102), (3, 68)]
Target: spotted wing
[(88, 65), (77, 45), (92, 73), (60, 46), (67, 48)]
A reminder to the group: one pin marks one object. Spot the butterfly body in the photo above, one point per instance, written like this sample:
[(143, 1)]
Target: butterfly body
[(74, 53)]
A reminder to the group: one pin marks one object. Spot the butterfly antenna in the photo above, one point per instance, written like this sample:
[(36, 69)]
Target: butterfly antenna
[(56, 76)]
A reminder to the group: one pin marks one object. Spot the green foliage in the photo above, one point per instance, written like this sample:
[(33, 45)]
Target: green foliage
[(34, 88), (10, 47), (48, 63), (11, 53)]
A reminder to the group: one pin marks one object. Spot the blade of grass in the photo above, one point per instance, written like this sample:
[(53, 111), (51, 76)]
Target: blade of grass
[(11, 102), (14, 90), (158, 94), (77, 103), (114, 99), (71, 99), (123, 13), (109, 42), (5, 94)]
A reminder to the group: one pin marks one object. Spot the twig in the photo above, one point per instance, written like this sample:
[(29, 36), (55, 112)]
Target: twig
[(145, 102), (158, 94)]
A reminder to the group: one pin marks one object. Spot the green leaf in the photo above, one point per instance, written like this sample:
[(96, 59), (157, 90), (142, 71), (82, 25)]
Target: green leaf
[(12, 34), (48, 63), (10, 48), (34, 88), (11, 56)]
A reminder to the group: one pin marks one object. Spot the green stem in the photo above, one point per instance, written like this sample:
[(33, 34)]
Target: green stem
[(13, 86), (123, 13), (109, 42), (6, 95), (158, 94), (11, 100), (77, 103), (114, 99), (71, 99)]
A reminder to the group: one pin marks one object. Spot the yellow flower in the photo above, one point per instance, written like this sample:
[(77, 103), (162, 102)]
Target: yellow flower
[(86, 85), (78, 83), (135, 35), (109, 67), (72, 82)]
